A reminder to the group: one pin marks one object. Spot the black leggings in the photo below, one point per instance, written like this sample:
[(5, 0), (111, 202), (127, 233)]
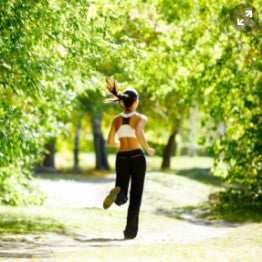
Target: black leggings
[(131, 164)]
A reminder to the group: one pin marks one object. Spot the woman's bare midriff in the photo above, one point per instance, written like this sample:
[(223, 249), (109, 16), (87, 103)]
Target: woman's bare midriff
[(128, 143)]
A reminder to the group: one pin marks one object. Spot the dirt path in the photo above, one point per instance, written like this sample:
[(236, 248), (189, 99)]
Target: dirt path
[(49, 245), (73, 192)]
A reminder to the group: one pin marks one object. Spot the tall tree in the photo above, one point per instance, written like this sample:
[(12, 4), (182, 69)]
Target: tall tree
[(91, 102), (193, 118), (76, 148), (100, 148)]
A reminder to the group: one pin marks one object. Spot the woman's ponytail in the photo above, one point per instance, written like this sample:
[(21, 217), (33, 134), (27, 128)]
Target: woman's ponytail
[(111, 87), (127, 98)]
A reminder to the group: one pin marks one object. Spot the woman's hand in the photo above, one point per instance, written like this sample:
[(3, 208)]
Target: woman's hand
[(151, 151)]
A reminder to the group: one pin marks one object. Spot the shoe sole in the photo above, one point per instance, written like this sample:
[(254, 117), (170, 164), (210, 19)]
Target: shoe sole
[(110, 199)]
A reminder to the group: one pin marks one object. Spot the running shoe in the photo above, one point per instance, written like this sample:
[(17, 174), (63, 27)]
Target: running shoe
[(110, 199)]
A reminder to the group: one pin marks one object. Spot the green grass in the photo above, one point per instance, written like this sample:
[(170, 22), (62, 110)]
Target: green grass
[(70, 220), (245, 212), (29, 220), (234, 213), (64, 162), (53, 219)]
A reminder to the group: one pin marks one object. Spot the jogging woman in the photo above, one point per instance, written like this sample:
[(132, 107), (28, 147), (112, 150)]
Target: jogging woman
[(130, 159)]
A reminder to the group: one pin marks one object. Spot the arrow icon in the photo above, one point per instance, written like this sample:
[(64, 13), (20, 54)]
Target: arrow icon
[(240, 22), (248, 13)]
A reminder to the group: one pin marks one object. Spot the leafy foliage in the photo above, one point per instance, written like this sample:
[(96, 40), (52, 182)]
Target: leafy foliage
[(48, 51), (173, 53)]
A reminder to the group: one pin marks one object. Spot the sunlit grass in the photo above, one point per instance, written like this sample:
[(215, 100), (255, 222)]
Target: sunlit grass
[(28, 220), (235, 247), (91, 221), (233, 212), (232, 248), (64, 161)]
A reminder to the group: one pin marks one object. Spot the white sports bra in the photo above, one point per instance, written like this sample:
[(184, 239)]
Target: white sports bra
[(125, 129)]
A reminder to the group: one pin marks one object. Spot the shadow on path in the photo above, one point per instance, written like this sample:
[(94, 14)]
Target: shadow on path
[(101, 239), (75, 177), (192, 216), (48, 244), (203, 175)]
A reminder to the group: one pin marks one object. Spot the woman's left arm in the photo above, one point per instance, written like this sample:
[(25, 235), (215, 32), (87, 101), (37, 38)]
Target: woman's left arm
[(111, 140)]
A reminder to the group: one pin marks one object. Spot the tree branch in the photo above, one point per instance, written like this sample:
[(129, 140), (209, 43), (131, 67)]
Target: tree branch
[(49, 35), (2, 67)]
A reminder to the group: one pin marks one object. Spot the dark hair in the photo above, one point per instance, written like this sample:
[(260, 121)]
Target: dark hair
[(128, 96)]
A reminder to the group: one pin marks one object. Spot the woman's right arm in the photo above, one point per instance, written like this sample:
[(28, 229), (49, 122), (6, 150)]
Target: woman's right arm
[(111, 140), (141, 136)]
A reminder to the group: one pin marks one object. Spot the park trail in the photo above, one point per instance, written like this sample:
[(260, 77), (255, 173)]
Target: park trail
[(73, 193)]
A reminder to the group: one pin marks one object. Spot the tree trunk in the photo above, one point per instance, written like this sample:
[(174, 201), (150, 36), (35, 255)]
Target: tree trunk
[(99, 142), (170, 149), (76, 148), (193, 116), (222, 131), (48, 164)]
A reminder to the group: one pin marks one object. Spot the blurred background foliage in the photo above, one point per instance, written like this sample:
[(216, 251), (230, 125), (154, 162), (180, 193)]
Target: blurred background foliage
[(199, 81)]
